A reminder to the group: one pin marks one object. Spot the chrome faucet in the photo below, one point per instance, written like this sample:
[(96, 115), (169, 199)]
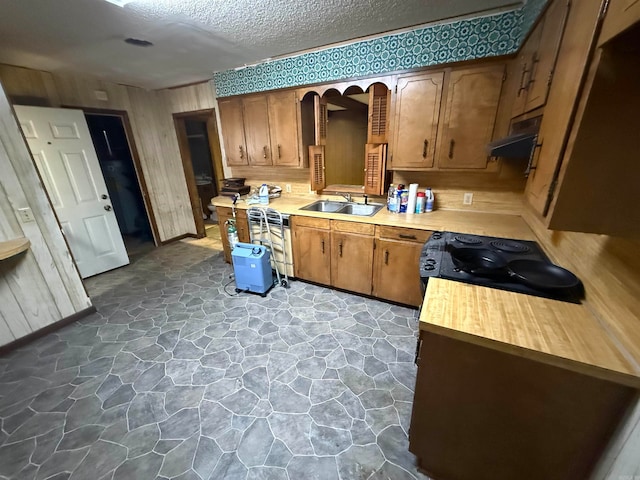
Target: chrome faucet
[(347, 196)]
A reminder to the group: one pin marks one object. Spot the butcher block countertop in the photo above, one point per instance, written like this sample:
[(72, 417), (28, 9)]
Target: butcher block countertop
[(557, 333)]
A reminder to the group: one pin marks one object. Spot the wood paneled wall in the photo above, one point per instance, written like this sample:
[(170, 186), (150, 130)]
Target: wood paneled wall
[(150, 113), (609, 267), (41, 286)]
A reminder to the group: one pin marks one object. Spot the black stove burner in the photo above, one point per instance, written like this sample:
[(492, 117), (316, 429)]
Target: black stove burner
[(436, 261), (467, 240), (510, 246)]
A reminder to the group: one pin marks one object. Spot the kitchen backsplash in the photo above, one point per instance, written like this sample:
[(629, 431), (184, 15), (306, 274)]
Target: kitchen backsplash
[(467, 39)]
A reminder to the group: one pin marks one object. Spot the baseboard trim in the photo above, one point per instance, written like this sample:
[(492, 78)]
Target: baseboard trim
[(22, 341)]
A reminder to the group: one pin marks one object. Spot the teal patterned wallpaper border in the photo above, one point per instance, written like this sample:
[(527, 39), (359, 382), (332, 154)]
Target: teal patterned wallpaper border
[(468, 39)]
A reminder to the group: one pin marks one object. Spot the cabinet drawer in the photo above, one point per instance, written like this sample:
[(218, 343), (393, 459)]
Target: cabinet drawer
[(352, 227), (405, 234), (300, 221)]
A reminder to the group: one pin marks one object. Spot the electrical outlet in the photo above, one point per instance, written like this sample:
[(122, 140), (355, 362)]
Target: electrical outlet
[(26, 215), (467, 199), (287, 187)]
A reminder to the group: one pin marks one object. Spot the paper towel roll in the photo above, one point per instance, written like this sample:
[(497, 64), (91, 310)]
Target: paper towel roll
[(413, 194)]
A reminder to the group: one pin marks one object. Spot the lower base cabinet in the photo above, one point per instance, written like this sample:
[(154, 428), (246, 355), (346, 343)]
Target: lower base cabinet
[(360, 257), (396, 276), (489, 415), (224, 214)]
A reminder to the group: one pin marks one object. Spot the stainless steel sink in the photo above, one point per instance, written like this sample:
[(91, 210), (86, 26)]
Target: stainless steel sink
[(324, 206), (346, 208)]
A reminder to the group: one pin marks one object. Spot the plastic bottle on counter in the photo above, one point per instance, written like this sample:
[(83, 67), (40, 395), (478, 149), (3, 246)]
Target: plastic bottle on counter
[(392, 203), (264, 194), (420, 202), (430, 198)]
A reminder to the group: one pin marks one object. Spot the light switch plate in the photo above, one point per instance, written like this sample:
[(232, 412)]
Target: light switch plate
[(467, 199), (26, 215), (287, 188)]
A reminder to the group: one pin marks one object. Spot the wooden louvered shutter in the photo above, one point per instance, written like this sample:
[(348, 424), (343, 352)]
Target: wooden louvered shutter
[(379, 104), (375, 160), (321, 119), (316, 164)]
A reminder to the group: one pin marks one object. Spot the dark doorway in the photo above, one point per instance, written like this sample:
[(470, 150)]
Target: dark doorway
[(119, 170), (201, 159)]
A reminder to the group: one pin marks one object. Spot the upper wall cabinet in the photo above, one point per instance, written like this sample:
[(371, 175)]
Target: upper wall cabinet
[(379, 104), (470, 112), (444, 120), (622, 14), (260, 130), (416, 120), (537, 59)]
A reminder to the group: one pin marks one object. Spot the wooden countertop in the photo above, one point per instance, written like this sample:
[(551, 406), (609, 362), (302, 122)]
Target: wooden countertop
[(9, 248), (557, 333), (553, 332), (492, 224)]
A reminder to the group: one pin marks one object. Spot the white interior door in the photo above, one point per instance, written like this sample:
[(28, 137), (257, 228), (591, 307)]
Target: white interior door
[(61, 146)]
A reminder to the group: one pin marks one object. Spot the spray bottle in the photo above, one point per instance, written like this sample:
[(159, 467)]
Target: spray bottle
[(429, 200)]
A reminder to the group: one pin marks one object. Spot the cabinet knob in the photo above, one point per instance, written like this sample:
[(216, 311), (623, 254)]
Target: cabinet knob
[(264, 152), (424, 148), (241, 152)]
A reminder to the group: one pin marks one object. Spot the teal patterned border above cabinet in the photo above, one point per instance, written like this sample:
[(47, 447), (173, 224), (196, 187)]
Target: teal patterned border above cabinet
[(469, 39)]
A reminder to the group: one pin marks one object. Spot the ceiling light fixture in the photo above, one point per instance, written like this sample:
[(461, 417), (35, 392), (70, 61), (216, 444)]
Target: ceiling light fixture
[(120, 3)]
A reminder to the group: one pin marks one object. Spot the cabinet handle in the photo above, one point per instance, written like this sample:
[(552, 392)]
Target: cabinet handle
[(241, 152), (424, 148), (522, 85), (264, 152), (322, 242), (340, 247), (386, 257), (452, 143), (279, 155), (408, 237)]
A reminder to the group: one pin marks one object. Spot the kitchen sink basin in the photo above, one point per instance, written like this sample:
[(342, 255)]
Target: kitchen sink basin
[(346, 208), (324, 206)]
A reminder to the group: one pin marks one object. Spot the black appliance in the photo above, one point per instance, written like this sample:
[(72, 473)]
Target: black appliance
[(437, 260), (233, 186)]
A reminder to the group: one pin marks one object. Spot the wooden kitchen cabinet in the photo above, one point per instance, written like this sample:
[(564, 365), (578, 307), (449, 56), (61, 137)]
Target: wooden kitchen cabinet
[(283, 128), (417, 113), (585, 171), (260, 130), (621, 15), (242, 225), (490, 415), (256, 129), (378, 121), (312, 249), (469, 114), (538, 57), (352, 256), (396, 276), (231, 120)]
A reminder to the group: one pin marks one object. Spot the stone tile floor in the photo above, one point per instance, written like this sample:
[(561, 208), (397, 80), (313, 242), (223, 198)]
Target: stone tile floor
[(175, 378)]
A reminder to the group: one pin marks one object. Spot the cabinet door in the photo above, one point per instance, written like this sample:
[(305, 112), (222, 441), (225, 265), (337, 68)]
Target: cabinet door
[(232, 125), (416, 120), (316, 165), (312, 254), (256, 129), (396, 275), (351, 261), (224, 214), (283, 127), (378, 124), (525, 61), (544, 60), (375, 160), (620, 16), (469, 116)]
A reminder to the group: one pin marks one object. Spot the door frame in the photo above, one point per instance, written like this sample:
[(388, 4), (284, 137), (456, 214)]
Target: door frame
[(137, 165), (209, 116)]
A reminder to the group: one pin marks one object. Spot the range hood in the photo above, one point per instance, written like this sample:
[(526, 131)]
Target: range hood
[(513, 146)]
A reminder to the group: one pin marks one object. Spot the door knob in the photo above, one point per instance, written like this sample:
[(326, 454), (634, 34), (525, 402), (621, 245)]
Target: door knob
[(107, 208)]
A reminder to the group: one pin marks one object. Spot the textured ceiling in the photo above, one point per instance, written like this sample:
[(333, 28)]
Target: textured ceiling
[(193, 38)]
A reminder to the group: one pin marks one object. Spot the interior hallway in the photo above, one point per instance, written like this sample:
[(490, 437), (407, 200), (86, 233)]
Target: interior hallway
[(173, 377)]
